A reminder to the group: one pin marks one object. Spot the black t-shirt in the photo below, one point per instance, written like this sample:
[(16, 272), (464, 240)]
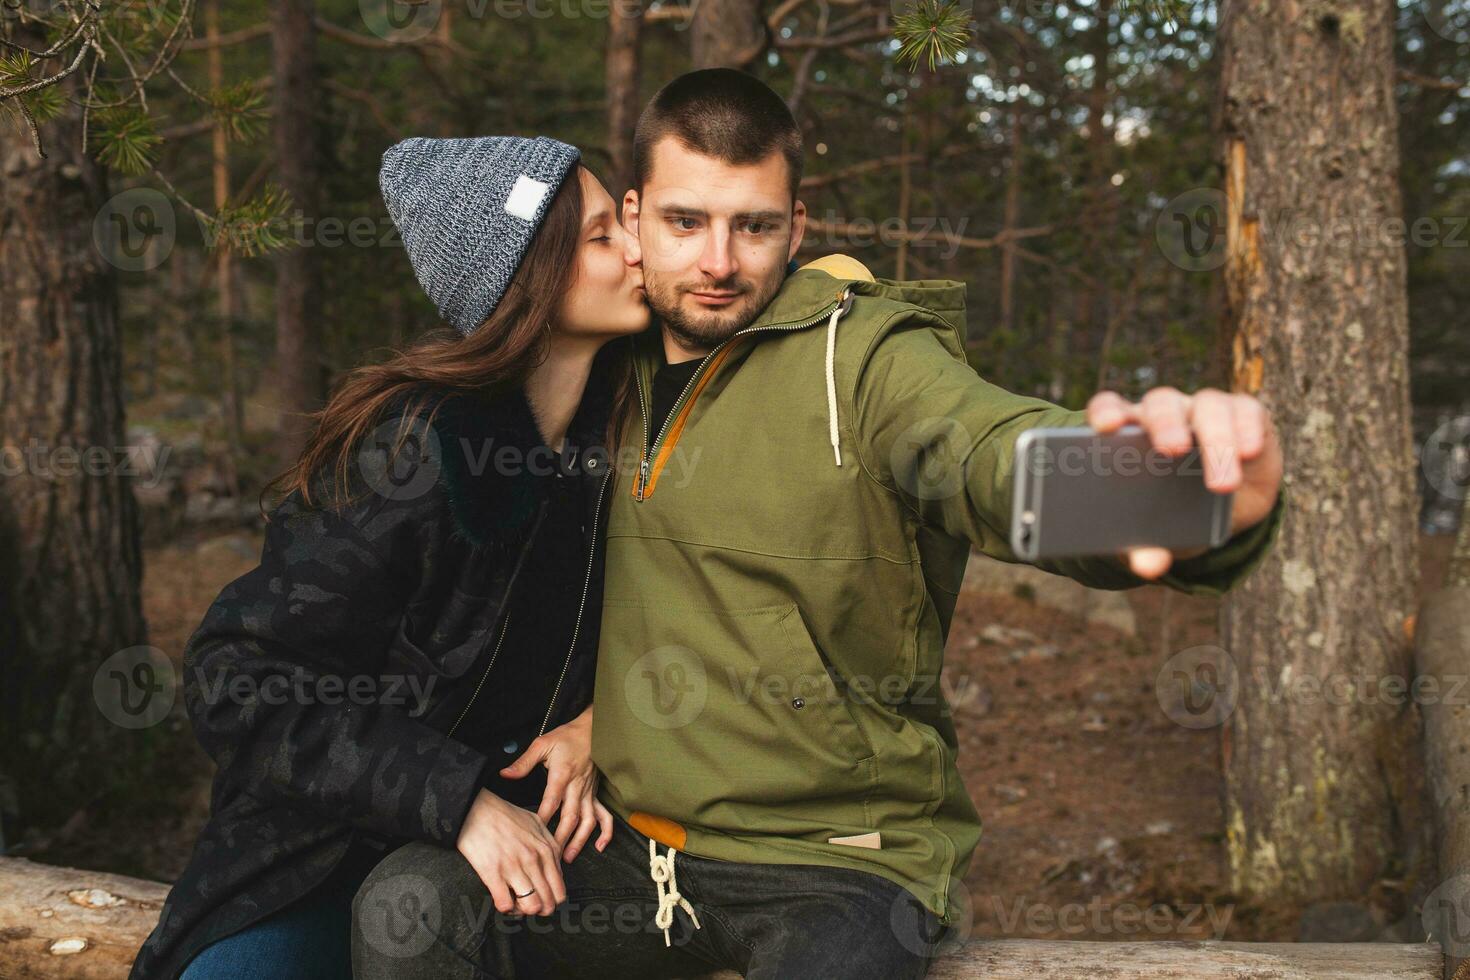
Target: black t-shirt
[(669, 383)]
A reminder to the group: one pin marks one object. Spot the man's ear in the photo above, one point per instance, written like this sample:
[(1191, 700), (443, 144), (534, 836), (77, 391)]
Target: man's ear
[(798, 229), (630, 212)]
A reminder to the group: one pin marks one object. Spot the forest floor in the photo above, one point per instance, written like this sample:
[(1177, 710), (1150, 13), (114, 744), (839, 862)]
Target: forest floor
[(1102, 818)]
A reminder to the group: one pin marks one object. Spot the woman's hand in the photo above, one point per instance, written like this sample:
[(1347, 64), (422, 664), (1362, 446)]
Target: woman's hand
[(571, 784), (513, 853)]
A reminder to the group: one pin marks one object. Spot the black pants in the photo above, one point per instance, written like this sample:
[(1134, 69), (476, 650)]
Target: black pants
[(423, 914)]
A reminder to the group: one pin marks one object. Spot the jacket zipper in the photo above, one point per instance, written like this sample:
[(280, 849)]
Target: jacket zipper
[(576, 629), (651, 452), (504, 625)]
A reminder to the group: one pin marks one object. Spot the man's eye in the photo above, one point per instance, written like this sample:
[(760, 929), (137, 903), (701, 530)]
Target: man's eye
[(680, 224), (756, 227)]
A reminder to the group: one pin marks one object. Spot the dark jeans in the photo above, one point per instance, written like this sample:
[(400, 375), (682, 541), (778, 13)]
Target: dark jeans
[(424, 913), (309, 939)]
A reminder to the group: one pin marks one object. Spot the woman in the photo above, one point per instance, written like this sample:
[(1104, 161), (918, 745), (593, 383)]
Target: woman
[(412, 659)]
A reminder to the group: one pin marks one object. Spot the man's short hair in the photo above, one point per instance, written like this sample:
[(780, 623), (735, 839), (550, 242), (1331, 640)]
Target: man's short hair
[(722, 113)]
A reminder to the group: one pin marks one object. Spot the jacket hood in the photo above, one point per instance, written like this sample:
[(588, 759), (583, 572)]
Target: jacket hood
[(829, 286), (814, 287)]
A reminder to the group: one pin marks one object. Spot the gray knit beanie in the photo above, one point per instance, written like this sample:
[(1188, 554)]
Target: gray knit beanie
[(467, 210)]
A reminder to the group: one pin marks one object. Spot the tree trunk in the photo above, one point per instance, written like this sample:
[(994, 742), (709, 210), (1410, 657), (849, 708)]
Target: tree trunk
[(70, 564), (299, 368), (726, 33), (1012, 220), (1099, 199), (232, 412), (624, 26), (1321, 782)]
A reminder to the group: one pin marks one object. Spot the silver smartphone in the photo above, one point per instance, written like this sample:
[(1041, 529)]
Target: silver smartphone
[(1079, 492)]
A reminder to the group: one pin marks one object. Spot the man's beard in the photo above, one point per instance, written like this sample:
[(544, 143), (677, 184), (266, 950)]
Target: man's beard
[(707, 329)]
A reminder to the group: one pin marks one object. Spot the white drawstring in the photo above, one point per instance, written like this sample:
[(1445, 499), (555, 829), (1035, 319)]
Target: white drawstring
[(832, 381), (661, 869)]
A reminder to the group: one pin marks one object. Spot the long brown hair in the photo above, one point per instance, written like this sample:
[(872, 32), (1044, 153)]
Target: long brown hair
[(501, 352)]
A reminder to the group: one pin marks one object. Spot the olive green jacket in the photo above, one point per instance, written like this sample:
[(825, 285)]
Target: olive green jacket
[(782, 570)]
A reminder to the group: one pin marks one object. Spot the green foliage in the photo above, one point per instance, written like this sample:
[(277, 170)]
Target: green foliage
[(241, 109), (932, 31), (19, 69), (126, 140), (254, 227)]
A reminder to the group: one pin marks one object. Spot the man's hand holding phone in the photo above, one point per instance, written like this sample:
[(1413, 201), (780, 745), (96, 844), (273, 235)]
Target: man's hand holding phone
[(1238, 448)]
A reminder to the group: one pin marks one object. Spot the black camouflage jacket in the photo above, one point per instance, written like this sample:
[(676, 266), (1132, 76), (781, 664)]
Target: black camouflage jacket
[(400, 594)]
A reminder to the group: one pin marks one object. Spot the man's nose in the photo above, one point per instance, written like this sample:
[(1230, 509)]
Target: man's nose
[(718, 259)]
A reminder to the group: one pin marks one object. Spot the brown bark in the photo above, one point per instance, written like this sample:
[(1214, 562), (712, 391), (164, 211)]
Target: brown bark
[(300, 372), (70, 564), (66, 922), (726, 33), (1099, 200), (1012, 219), (624, 29), (1458, 572), (232, 412), (1320, 794), (905, 193), (1441, 639)]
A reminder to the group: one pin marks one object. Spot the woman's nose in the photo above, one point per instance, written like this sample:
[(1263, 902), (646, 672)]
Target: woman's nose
[(632, 250)]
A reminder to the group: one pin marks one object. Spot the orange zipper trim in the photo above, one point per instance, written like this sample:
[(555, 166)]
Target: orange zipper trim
[(671, 438)]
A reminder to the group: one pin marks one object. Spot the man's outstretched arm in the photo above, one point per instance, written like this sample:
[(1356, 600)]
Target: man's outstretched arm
[(944, 438)]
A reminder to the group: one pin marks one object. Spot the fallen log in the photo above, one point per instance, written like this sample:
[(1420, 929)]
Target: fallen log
[(87, 925), (80, 925), (1041, 959)]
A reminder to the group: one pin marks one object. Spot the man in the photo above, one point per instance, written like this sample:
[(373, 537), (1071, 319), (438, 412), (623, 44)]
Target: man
[(815, 462)]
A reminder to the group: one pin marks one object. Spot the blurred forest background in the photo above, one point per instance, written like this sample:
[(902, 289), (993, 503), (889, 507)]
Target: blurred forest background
[(213, 222)]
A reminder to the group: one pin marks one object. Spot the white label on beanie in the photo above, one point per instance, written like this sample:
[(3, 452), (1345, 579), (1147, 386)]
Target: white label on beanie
[(525, 197)]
